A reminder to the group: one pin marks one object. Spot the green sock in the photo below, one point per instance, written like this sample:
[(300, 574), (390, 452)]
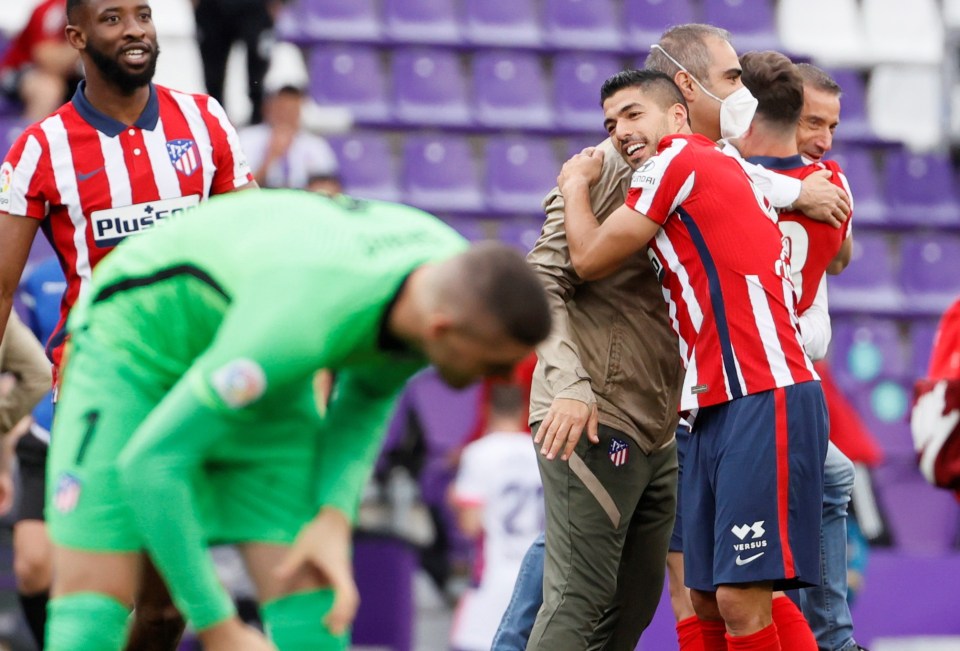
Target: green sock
[(295, 622), (86, 621)]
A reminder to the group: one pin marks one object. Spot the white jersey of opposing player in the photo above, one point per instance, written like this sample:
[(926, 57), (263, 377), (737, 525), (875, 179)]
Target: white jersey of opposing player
[(498, 473)]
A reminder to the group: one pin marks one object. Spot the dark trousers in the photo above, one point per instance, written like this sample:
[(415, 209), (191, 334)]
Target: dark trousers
[(609, 520), (220, 24)]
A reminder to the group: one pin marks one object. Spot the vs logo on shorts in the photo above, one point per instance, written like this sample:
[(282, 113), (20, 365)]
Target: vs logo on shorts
[(184, 156), (618, 452), (67, 493)]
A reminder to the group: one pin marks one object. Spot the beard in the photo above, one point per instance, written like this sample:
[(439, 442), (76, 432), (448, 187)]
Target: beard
[(110, 68)]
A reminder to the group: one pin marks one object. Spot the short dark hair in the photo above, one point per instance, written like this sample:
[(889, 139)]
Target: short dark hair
[(509, 289), (72, 7), (657, 84), (505, 399), (819, 78), (687, 44), (774, 80)]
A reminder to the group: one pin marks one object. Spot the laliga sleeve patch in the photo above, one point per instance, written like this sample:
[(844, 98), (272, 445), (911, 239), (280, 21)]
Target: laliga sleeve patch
[(239, 382), (6, 185)]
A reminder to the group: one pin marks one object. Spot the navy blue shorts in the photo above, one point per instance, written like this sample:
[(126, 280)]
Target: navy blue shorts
[(753, 490)]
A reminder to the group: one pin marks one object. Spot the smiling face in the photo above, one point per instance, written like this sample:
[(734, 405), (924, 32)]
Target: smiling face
[(818, 121), (118, 38), (637, 122)]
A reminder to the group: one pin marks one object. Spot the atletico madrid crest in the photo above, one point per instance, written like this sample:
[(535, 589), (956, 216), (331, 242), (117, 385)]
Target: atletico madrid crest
[(618, 452), (184, 156)]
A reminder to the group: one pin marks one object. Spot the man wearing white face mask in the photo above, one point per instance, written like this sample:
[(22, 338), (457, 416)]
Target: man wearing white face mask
[(704, 65)]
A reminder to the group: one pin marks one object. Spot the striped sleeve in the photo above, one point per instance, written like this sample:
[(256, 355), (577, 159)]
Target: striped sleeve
[(662, 183), (22, 183), (232, 170)]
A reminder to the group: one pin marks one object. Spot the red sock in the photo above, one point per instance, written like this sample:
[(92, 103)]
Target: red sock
[(714, 634), (795, 633), (688, 633), (763, 640)]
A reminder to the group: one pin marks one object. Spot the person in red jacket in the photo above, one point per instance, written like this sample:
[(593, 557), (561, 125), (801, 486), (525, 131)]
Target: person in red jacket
[(40, 69)]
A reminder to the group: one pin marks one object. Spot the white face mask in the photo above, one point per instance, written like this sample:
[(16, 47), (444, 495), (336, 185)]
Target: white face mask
[(736, 109)]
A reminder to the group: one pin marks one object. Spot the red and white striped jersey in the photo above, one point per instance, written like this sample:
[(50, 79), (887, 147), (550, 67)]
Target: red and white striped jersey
[(812, 245), (725, 273), (93, 180)]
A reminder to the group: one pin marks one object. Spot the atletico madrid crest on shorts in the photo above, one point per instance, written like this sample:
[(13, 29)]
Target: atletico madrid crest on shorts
[(183, 155), (618, 452), (67, 494)]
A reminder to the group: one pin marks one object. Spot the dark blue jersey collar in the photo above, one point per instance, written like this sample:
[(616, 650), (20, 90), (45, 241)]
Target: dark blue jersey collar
[(776, 163), (106, 124)]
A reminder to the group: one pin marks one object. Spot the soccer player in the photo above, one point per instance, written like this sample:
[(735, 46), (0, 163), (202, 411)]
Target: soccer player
[(815, 248), (498, 499), (752, 476), (218, 438), (122, 155)]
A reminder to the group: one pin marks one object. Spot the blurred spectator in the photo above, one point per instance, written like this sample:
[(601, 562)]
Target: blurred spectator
[(40, 69), (936, 412), (21, 355), (220, 24), (498, 499), (284, 155)]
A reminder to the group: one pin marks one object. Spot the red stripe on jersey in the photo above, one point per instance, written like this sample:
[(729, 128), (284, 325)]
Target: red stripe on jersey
[(717, 233), (82, 171), (783, 482), (813, 244)]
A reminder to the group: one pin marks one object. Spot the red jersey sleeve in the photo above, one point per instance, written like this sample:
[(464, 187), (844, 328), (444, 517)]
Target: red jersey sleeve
[(945, 358), (232, 170), (662, 183), (26, 176)]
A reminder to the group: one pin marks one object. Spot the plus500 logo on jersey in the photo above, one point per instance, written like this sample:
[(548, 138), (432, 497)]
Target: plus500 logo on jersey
[(112, 225)]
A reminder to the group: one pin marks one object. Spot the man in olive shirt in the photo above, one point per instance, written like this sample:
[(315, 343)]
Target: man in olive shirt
[(611, 362)]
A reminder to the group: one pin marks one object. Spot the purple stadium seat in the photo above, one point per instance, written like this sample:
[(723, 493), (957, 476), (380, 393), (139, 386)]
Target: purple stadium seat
[(510, 90), (646, 20), (10, 130), (440, 174), (352, 77), (583, 24), (384, 570), (505, 23), (751, 22), (579, 143), (924, 519), (863, 350), (520, 172), (854, 124), (922, 333), (577, 78), (857, 164), (430, 88), (368, 167), (921, 189), (306, 21), (885, 410), (869, 283), (521, 233), (930, 271), (472, 228), (421, 21)]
